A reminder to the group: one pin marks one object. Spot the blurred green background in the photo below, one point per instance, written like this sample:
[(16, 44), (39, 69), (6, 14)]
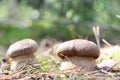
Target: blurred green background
[(59, 19)]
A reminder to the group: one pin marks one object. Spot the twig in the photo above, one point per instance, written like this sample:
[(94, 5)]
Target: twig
[(107, 43), (96, 31)]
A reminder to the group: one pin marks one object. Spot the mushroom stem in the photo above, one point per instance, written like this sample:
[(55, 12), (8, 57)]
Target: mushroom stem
[(87, 63), (22, 60)]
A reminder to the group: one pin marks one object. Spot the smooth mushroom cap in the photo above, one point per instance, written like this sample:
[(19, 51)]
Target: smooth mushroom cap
[(78, 47), (22, 47)]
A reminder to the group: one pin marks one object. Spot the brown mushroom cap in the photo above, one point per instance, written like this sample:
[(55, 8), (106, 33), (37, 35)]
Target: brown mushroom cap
[(78, 47), (22, 47)]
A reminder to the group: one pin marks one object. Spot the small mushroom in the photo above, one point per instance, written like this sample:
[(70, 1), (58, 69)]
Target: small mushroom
[(21, 52), (78, 53)]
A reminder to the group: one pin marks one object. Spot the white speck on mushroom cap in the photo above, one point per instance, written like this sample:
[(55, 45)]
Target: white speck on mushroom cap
[(78, 47), (22, 47)]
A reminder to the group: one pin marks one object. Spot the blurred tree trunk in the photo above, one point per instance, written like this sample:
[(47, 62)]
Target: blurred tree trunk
[(12, 9)]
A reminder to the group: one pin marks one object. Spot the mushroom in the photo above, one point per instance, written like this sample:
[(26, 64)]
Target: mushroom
[(21, 52), (78, 53)]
